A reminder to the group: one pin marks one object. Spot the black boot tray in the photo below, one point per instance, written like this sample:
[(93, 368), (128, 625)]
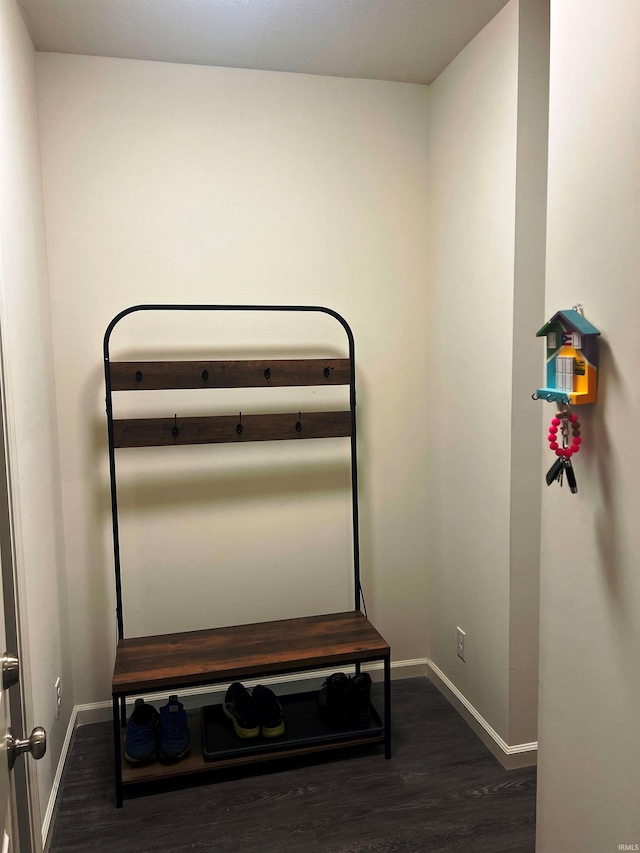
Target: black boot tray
[(304, 725)]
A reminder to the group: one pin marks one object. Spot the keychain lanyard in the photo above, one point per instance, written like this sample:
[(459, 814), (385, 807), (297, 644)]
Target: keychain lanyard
[(559, 442)]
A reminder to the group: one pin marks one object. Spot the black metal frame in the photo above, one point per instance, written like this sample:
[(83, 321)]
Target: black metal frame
[(112, 458), (119, 699)]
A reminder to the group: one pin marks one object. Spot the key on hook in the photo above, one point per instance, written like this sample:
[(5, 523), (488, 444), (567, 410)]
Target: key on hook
[(555, 472), (571, 477)]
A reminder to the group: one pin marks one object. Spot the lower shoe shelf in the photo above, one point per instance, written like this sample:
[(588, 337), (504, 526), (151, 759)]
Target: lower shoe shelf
[(304, 727), (214, 744)]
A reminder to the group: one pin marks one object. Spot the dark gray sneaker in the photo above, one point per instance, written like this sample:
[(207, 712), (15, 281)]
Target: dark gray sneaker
[(240, 708), (269, 711)]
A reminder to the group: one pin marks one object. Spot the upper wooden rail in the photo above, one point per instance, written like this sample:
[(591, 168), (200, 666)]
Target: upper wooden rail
[(157, 375)]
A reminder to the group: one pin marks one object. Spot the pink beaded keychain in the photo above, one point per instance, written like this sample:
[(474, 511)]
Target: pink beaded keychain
[(559, 442)]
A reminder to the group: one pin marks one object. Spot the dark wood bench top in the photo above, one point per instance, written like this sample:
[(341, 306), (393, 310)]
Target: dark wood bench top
[(243, 651)]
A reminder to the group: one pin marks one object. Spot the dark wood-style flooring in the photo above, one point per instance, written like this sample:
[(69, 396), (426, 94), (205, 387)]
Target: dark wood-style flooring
[(441, 791)]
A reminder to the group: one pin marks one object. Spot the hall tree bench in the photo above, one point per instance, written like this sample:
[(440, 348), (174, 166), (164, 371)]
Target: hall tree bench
[(220, 655)]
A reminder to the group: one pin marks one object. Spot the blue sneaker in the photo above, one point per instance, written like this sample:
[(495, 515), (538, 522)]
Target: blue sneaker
[(175, 742), (141, 734)]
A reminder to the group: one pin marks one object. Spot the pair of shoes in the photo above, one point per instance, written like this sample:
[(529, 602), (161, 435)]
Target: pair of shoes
[(253, 712), (150, 733), (345, 701)]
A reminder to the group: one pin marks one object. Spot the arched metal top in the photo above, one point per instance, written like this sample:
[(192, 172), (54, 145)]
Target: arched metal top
[(287, 308)]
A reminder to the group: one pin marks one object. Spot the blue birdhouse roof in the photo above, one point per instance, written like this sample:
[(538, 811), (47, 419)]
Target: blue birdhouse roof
[(572, 320)]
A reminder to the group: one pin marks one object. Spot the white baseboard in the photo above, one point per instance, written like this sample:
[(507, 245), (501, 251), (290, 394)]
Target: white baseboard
[(511, 757), (47, 820), (98, 712)]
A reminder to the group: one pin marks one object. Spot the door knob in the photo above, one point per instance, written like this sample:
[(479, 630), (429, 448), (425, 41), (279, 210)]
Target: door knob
[(10, 670), (36, 744)]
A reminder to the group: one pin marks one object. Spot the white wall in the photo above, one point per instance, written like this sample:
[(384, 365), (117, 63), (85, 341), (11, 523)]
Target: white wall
[(175, 183), (473, 169), (151, 174), (589, 774), (488, 162), (30, 395), (526, 416), (156, 174)]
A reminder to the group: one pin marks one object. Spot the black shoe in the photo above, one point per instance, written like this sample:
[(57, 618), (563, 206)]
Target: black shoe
[(334, 700), (360, 701), (240, 708), (269, 711)]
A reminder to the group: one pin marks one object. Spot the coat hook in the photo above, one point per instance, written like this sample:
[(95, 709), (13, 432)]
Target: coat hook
[(138, 376), (175, 432), (327, 372), (205, 375), (267, 373), (299, 423), (239, 424)]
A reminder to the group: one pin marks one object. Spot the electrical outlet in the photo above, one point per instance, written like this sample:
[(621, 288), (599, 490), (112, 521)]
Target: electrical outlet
[(460, 638), (58, 687)]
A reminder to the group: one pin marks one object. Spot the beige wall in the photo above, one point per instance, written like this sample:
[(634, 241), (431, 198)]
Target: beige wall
[(589, 774), (176, 183), (30, 396), (488, 168)]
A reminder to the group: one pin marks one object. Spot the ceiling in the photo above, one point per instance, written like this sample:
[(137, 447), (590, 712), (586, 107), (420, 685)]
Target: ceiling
[(408, 41)]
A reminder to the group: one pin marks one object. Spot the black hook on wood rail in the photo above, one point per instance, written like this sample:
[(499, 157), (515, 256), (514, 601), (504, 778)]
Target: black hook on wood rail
[(175, 432), (299, 423), (239, 426), (138, 376), (267, 373), (205, 375)]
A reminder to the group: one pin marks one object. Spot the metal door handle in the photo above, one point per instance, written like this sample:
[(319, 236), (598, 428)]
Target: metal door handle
[(10, 670), (36, 744)]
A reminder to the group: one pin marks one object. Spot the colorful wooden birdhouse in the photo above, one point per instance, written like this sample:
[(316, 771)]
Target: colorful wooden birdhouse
[(572, 359)]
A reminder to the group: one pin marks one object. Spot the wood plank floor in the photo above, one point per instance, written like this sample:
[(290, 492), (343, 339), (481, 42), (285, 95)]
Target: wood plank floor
[(441, 791)]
